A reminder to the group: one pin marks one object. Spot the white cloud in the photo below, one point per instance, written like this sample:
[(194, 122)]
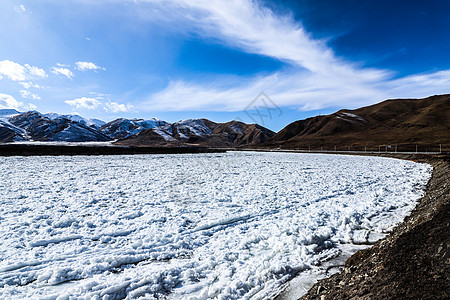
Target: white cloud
[(84, 103), (306, 92), (28, 106), (17, 72), (256, 29), (12, 70), (419, 85), (35, 71), (20, 8), (117, 107), (29, 84), (8, 101), (317, 78), (84, 66), (62, 71), (27, 94)]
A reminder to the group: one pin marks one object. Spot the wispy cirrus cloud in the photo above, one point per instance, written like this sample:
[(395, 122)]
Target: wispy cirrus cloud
[(297, 90), (254, 28), (85, 66), (316, 79)]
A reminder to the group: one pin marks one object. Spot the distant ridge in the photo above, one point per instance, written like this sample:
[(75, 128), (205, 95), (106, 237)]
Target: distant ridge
[(201, 132), (52, 127), (401, 123)]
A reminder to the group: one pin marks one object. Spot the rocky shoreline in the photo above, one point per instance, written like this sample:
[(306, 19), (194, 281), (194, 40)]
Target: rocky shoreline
[(413, 261)]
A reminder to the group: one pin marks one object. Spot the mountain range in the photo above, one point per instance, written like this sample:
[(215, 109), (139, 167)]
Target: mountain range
[(406, 124), (34, 126), (201, 132)]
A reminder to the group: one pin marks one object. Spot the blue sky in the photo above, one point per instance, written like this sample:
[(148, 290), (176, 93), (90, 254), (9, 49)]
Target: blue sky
[(270, 62)]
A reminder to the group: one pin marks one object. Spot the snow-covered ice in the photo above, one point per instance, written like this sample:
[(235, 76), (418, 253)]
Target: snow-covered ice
[(235, 225)]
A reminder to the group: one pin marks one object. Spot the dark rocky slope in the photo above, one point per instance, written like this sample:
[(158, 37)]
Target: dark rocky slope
[(201, 132), (123, 128), (41, 128)]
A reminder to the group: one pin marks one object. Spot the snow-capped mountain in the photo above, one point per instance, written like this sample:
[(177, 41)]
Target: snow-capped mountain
[(34, 126), (9, 132), (183, 130), (95, 123), (123, 128), (201, 132)]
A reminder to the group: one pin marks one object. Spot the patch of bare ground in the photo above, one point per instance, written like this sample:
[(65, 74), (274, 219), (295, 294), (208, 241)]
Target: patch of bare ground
[(413, 261)]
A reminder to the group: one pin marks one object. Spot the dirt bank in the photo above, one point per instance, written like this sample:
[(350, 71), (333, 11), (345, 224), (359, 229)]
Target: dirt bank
[(413, 261)]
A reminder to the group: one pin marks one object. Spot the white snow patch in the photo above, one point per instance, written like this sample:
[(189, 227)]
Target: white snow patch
[(237, 129), (164, 134), (353, 117), (226, 226)]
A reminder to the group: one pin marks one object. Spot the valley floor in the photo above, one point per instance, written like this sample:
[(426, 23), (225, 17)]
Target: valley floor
[(413, 262)]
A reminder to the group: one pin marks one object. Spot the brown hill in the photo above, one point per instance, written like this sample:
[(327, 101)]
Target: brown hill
[(401, 123)]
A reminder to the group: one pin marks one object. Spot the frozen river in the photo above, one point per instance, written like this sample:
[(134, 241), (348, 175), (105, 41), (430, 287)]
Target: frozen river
[(236, 225)]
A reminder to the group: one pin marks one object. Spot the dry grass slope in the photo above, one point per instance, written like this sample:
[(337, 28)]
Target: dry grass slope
[(402, 122)]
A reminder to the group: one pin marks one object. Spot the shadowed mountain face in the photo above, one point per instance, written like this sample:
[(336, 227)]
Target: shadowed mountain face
[(35, 126), (122, 128), (201, 132), (404, 123), (10, 133)]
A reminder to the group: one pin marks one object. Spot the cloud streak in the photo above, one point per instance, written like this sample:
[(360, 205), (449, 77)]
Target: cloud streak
[(317, 78), (301, 91)]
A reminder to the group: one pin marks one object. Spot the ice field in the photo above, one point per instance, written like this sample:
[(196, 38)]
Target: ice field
[(236, 225)]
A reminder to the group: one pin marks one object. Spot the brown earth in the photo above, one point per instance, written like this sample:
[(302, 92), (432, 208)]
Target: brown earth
[(404, 123), (413, 261)]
